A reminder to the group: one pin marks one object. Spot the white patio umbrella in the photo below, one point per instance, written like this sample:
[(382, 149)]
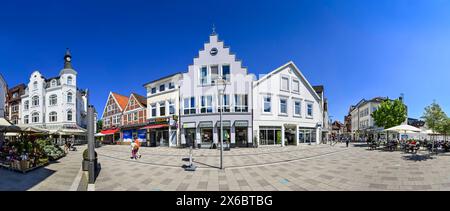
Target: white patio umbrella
[(99, 135), (404, 128)]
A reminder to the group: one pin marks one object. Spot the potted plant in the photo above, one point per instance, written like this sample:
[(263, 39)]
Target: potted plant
[(85, 163)]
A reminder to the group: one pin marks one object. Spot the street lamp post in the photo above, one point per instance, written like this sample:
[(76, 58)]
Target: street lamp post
[(221, 85)]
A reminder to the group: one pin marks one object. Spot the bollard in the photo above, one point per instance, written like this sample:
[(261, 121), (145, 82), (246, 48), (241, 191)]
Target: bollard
[(191, 166)]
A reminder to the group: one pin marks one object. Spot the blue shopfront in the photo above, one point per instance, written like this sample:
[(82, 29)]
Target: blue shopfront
[(130, 134)]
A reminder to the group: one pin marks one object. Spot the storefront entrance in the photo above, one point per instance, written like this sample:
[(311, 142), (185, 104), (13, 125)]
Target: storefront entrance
[(307, 135), (289, 135), (206, 135), (159, 138), (269, 136), (190, 137), (241, 137)]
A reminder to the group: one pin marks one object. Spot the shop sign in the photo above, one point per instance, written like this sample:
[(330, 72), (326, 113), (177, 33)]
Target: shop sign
[(241, 124), (189, 125), (225, 123), (205, 124), (157, 121)]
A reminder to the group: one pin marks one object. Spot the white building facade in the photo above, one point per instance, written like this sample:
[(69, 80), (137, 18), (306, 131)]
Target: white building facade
[(199, 98), (286, 108), (55, 103), (163, 110), (362, 114), (3, 92)]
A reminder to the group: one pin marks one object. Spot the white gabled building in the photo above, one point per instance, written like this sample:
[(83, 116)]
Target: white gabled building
[(286, 108), (55, 103)]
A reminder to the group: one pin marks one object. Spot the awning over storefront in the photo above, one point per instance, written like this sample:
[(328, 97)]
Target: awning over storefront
[(241, 123), (189, 125), (225, 123), (205, 124), (109, 132), (155, 126)]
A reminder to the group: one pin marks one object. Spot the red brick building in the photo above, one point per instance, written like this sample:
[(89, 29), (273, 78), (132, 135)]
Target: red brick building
[(112, 116), (14, 104), (134, 118)]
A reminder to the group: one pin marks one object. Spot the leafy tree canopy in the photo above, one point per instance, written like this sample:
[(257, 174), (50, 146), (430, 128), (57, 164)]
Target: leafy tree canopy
[(390, 113)]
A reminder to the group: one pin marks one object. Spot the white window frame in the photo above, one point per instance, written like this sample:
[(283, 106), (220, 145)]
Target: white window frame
[(205, 100), (242, 108), (312, 109), (227, 107), (287, 106), (288, 83), (53, 100), (190, 106), (26, 119), (53, 116), (298, 85), (212, 79), (136, 116), (33, 116), (69, 80), (162, 105), (70, 112), (33, 101), (207, 76), (153, 107), (171, 107), (26, 105), (264, 103), (69, 94), (300, 107), (221, 72)]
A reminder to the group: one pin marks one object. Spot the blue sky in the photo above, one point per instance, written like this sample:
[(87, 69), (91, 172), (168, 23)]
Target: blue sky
[(356, 48)]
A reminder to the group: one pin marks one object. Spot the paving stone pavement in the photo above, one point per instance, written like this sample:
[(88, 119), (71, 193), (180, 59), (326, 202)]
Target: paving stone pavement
[(292, 168), (58, 176)]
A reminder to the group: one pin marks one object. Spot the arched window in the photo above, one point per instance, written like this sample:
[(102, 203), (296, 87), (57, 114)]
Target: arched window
[(35, 101), (26, 119), (35, 85), (53, 83), (69, 80), (35, 117), (53, 100), (53, 116), (69, 116), (69, 97)]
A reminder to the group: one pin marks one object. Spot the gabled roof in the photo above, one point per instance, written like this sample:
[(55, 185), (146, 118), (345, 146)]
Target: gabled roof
[(121, 100), (296, 69), (139, 98)]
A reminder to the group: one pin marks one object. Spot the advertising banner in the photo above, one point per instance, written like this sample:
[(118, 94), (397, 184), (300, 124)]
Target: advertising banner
[(142, 135), (127, 135)]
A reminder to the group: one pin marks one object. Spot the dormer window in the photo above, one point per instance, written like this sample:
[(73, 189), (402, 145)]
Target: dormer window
[(153, 90), (69, 80), (35, 85), (162, 87), (53, 83)]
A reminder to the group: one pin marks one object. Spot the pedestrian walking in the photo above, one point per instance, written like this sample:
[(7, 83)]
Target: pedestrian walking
[(133, 150), (137, 147), (347, 141)]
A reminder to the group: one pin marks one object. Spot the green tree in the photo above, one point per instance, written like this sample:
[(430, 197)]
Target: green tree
[(435, 118), (99, 125), (390, 113), (445, 128)]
